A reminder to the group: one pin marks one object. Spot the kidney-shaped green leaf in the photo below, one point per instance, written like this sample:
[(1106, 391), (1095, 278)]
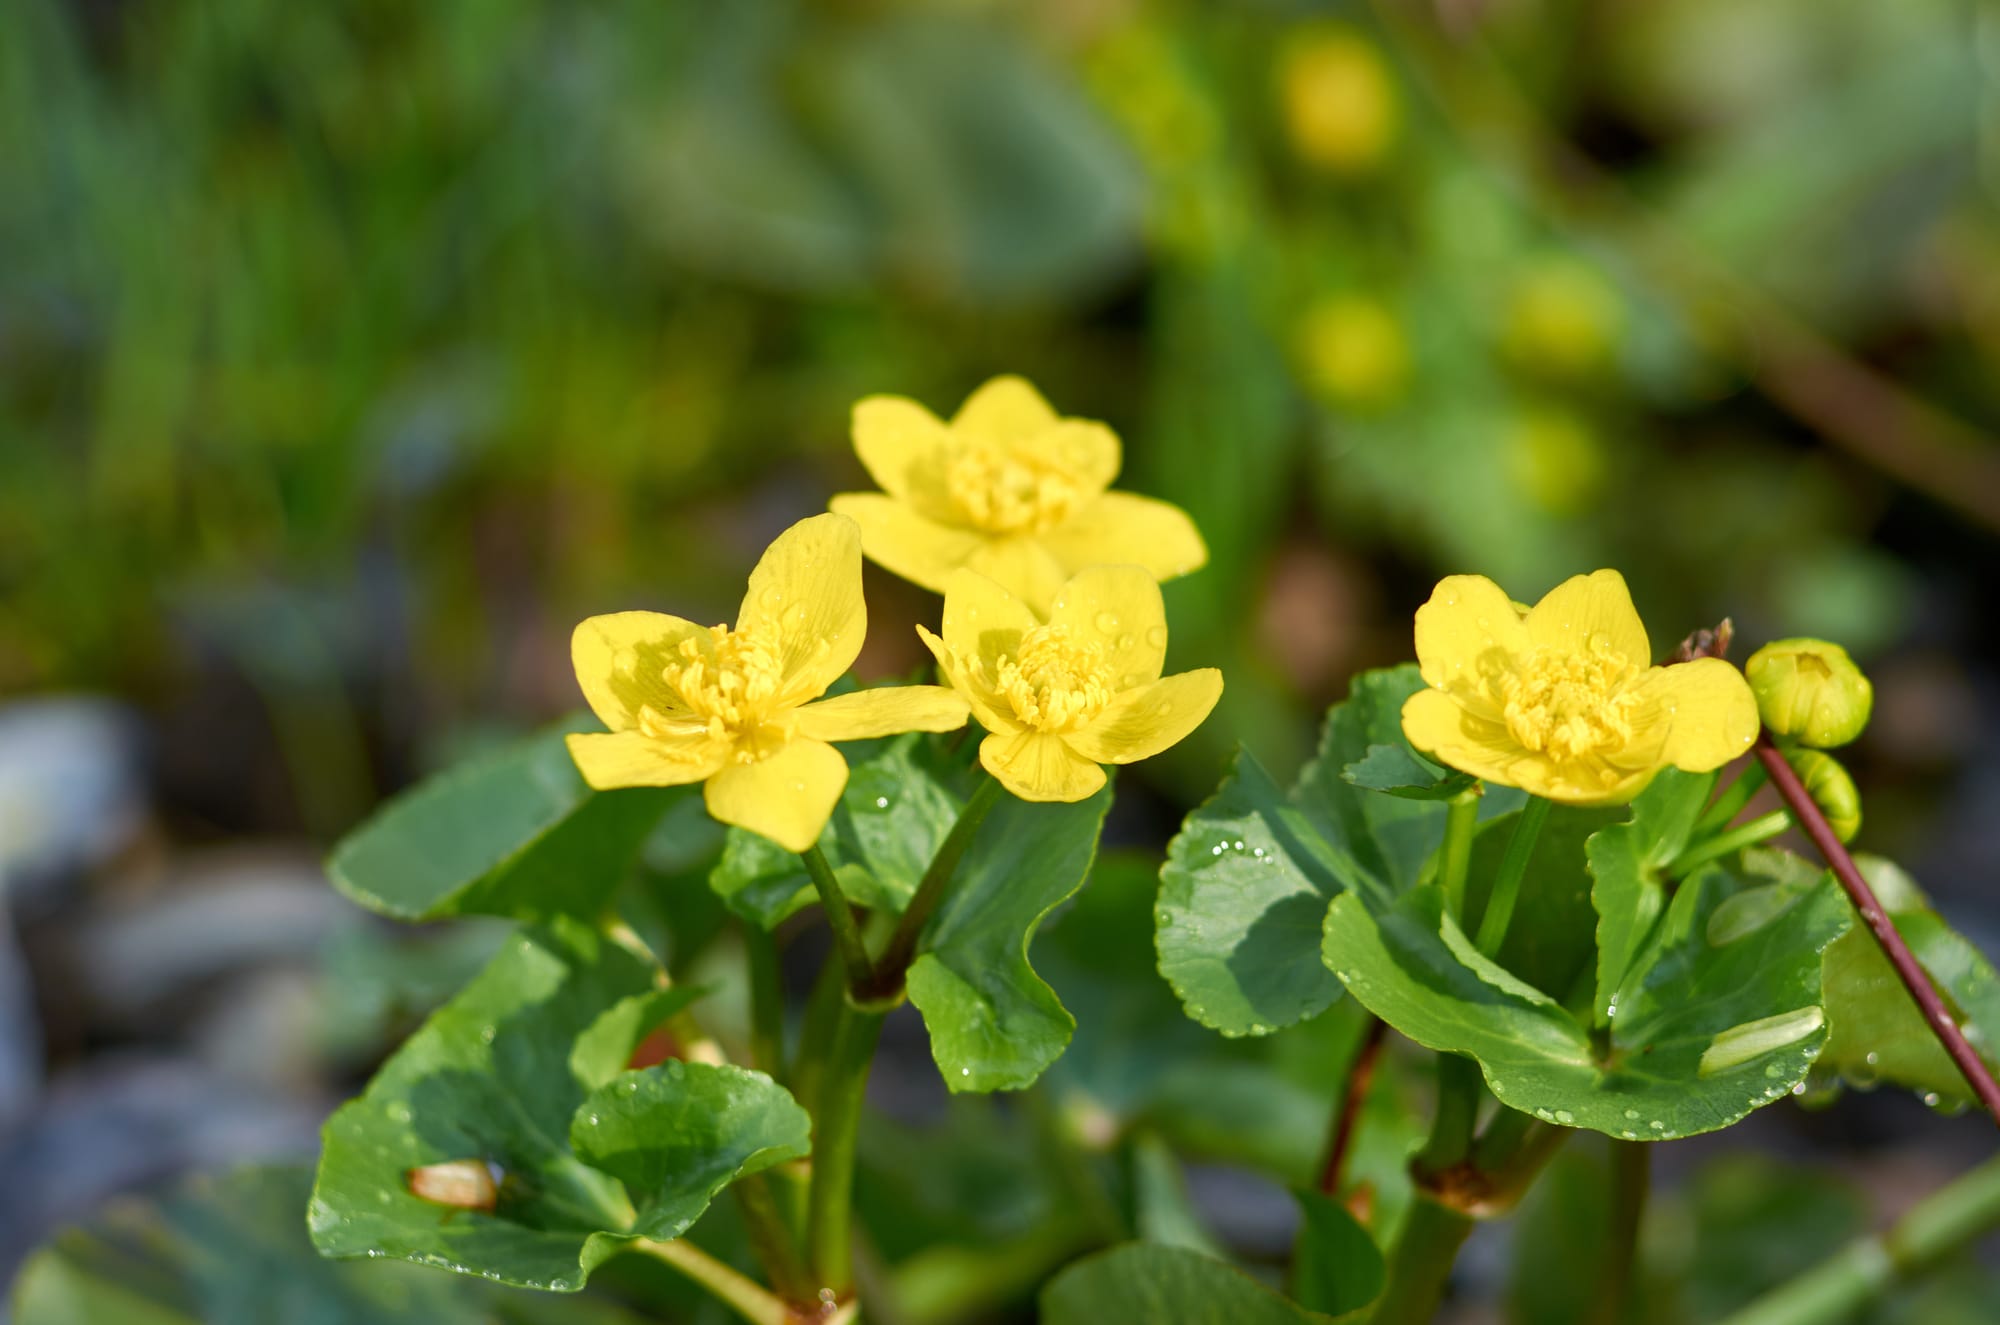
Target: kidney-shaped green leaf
[(995, 1024), (488, 1079), (1625, 859), (516, 834), (1722, 1018)]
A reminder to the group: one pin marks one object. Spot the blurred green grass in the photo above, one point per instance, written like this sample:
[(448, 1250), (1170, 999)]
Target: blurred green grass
[(355, 350)]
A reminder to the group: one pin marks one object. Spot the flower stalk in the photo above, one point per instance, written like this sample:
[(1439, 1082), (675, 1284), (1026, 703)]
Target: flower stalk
[(1500, 902), (1936, 1016), (901, 949), (840, 916)]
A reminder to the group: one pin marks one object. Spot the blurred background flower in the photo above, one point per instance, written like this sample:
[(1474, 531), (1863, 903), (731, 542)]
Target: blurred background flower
[(351, 352)]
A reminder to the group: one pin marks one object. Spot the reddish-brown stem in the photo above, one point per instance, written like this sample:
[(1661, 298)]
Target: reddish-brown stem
[(1359, 1077), (1914, 979)]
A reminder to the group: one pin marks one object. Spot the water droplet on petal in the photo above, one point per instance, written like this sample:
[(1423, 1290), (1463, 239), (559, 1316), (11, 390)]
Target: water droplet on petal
[(1156, 636)]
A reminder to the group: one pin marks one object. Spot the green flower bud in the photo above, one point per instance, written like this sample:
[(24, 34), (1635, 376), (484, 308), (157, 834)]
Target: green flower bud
[(1830, 788), (1810, 691)]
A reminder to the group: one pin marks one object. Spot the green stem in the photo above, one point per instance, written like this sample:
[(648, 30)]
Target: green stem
[(902, 946), (843, 1083), (772, 1238), (1731, 802), (1459, 1089), (748, 1299), (767, 1002), (1837, 1288), (1504, 1136), (1507, 884), (1631, 1182), (840, 915), (1761, 829), (1455, 855), (1421, 1265)]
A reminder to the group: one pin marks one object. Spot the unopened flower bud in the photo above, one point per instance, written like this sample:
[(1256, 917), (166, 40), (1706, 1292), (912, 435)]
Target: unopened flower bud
[(1830, 787), (1811, 691)]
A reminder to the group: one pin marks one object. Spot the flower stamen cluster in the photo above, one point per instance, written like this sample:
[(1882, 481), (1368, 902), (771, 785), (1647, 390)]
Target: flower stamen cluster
[(1028, 485), (1053, 681), (1570, 705)]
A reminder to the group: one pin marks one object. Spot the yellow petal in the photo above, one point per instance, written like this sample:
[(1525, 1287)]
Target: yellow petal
[(1003, 410), (1705, 708), (806, 592), (1123, 528), (904, 542), (1586, 609), (787, 798), (1467, 622), (904, 447), (1038, 767), (864, 714), (1437, 724), (620, 659), (983, 622), (971, 687), (1023, 566), (1118, 608), (627, 759), (1141, 723)]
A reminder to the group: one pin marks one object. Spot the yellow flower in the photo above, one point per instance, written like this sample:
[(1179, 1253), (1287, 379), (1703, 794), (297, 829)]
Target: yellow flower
[(1562, 700), (739, 710), (1008, 489), (1082, 689), (1339, 99)]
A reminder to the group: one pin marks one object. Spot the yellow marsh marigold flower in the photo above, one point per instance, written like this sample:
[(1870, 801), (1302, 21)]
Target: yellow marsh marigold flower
[(1082, 689), (1008, 489), (1562, 700), (739, 710), (1339, 99)]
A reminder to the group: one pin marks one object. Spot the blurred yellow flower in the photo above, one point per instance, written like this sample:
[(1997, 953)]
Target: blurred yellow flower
[(1352, 352), (1062, 697), (739, 710), (1339, 100), (1008, 489), (1562, 700)]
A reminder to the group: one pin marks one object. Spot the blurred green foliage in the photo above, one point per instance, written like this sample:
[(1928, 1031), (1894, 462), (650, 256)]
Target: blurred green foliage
[(366, 346)]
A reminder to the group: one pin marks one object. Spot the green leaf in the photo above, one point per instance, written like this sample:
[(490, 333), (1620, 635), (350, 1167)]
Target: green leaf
[(893, 815), (489, 1078), (1337, 1265), (1625, 861), (1163, 1212), (1551, 941), (1401, 771), (604, 1050), (1724, 1019), (1244, 892), (994, 1024), (518, 834), (1243, 898), (228, 1250), (1875, 1032), (677, 1134), (1163, 1286)]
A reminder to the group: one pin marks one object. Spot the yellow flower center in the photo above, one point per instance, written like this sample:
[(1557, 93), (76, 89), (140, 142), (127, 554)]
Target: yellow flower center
[(1053, 682), (1024, 485), (734, 691), (1569, 704)]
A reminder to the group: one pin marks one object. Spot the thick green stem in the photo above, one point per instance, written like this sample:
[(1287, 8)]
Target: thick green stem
[(1513, 867), (840, 915), (1455, 855), (1420, 1267), (1731, 802), (767, 1002), (1761, 829), (772, 1238), (1631, 1183), (1837, 1288), (902, 946), (1459, 1089), (746, 1298), (843, 1083)]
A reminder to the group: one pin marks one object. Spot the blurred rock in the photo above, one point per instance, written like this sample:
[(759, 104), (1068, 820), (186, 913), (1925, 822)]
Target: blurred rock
[(72, 790)]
